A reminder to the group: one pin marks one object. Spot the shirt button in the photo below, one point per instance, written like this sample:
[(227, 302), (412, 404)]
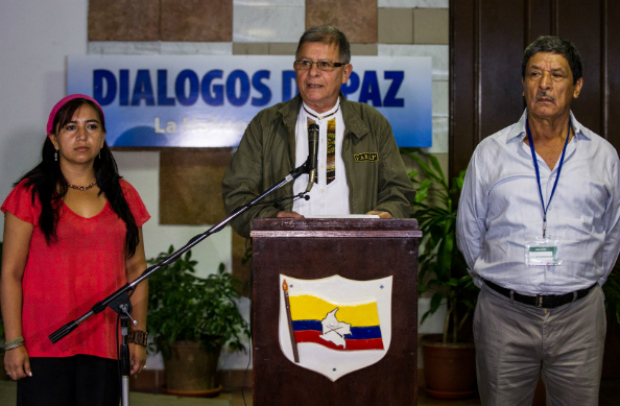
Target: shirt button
[(322, 190)]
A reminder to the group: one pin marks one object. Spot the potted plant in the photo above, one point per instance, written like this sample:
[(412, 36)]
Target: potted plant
[(190, 319), (443, 271)]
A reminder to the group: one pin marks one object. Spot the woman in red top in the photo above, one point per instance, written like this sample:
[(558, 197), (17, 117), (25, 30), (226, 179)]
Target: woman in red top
[(72, 236)]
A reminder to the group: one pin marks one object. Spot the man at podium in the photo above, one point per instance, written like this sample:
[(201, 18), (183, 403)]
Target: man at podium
[(359, 169)]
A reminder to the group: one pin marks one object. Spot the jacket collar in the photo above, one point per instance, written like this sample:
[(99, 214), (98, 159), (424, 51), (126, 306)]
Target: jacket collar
[(354, 124), (289, 111)]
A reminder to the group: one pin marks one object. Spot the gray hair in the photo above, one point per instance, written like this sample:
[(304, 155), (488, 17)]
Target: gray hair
[(329, 35), (554, 45)]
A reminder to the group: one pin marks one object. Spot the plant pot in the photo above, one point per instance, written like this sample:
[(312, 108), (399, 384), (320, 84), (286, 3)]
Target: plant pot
[(449, 369), (191, 370)]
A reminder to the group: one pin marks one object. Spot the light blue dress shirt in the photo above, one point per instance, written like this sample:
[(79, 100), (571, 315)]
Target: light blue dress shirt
[(500, 209)]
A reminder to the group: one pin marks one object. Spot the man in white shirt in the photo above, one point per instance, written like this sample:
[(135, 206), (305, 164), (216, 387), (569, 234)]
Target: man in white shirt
[(538, 223), (359, 167)]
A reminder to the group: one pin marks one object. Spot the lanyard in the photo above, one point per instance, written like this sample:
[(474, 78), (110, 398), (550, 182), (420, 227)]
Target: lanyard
[(545, 208)]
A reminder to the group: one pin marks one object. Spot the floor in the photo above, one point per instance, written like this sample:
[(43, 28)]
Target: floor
[(423, 399), (610, 396)]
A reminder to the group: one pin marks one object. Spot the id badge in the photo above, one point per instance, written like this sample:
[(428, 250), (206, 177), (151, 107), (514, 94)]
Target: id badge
[(543, 251)]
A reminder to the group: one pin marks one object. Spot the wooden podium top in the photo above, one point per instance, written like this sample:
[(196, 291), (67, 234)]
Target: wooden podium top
[(335, 227)]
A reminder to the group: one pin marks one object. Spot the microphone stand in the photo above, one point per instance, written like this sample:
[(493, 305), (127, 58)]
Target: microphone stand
[(119, 300)]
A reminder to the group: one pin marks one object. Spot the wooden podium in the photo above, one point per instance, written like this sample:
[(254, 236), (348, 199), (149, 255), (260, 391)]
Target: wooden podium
[(359, 249)]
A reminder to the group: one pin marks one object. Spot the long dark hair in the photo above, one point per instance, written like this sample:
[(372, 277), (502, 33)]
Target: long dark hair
[(50, 185)]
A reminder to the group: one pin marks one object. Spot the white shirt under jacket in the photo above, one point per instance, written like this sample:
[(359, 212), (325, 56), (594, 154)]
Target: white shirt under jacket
[(500, 207), (332, 199)]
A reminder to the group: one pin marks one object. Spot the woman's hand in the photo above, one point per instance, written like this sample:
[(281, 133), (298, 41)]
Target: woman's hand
[(137, 354), (17, 363)]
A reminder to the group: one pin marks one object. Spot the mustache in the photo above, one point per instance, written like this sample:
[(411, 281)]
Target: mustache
[(544, 95)]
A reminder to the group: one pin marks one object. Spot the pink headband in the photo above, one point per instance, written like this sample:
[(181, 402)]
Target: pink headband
[(62, 102)]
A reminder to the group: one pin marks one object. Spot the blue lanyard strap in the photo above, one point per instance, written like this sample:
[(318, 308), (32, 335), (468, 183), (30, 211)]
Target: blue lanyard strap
[(542, 201)]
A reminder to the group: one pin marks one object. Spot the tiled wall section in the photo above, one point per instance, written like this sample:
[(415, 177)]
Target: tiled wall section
[(123, 20), (431, 26), (268, 20), (265, 27), (196, 20), (190, 185), (356, 18)]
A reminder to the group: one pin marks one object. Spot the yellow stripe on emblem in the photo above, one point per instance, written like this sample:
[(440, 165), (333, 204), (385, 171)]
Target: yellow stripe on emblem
[(307, 307)]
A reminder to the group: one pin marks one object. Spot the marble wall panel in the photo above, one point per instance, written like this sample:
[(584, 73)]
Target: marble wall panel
[(415, 3), (441, 98), (124, 48), (159, 48), (196, 48), (356, 18), (250, 48), (395, 26), (123, 20), (190, 182), (269, 3), (283, 48), (438, 53), (440, 136), (196, 20), (431, 26), (255, 22), (364, 49)]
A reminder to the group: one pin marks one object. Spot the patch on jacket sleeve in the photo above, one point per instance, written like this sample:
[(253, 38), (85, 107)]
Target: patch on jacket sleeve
[(366, 157)]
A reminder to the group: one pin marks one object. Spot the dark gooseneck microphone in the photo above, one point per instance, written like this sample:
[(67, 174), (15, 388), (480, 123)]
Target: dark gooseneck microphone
[(313, 147)]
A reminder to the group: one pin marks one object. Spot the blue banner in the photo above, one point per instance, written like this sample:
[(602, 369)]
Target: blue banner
[(207, 101)]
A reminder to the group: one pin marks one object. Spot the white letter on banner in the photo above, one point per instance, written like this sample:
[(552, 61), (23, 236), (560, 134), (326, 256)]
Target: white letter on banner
[(158, 129)]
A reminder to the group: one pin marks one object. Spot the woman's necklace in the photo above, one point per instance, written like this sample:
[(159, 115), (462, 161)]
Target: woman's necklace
[(83, 188)]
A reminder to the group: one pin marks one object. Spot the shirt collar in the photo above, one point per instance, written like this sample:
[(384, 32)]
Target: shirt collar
[(517, 131), (321, 116)]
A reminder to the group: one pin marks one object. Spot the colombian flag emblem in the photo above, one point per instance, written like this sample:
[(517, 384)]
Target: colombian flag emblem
[(344, 328), (334, 325)]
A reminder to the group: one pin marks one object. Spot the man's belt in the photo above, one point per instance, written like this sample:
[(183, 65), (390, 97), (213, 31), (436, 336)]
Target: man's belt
[(547, 302)]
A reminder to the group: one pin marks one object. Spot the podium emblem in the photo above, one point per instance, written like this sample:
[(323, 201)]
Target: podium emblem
[(335, 326)]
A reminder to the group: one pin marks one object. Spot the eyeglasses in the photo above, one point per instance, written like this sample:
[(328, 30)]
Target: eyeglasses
[(326, 66)]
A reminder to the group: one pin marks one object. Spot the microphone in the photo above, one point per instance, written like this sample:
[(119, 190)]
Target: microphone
[(313, 146)]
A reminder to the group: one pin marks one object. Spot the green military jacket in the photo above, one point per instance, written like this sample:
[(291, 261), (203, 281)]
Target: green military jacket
[(375, 171)]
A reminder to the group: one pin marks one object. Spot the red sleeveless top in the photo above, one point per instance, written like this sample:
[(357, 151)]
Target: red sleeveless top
[(63, 280)]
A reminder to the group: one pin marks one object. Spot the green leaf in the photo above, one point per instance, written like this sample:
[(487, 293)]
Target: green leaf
[(422, 191), (453, 282)]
